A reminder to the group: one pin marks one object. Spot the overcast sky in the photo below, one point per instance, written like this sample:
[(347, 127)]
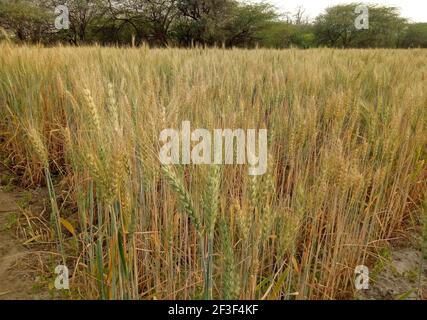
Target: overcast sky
[(416, 10)]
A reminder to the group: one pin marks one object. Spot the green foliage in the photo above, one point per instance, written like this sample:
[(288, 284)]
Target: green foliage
[(11, 221), (247, 23), (183, 23), (222, 22), (27, 20), (415, 36), (337, 28)]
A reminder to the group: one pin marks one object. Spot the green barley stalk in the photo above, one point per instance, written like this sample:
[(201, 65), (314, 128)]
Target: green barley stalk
[(230, 278), (210, 207)]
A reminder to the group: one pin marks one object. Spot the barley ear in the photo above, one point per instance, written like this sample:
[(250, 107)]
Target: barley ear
[(210, 198), (38, 146), (93, 111), (184, 197)]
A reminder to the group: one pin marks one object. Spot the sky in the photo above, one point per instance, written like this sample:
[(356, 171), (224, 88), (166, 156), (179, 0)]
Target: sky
[(416, 10)]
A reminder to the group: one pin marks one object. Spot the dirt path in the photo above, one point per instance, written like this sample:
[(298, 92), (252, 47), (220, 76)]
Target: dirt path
[(16, 282)]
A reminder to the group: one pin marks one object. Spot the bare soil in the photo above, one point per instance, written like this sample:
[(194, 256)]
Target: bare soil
[(18, 276), (14, 283), (400, 275)]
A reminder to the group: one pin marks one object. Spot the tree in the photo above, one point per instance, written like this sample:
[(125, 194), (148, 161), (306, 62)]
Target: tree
[(202, 21), (227, 22), (415, 36), (299, 17), (151, 20), (205, 22), (247, 24), (26, 20), (278, 34), (336, 27), (82, 14)]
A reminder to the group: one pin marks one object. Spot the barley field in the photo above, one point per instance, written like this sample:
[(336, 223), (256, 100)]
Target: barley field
[(347, 144)]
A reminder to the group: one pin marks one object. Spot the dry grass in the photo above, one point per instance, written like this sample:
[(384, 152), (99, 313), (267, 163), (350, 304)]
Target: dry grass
[(347, 145)]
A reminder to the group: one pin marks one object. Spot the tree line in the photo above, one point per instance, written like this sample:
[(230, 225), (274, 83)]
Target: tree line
[(184, 23)]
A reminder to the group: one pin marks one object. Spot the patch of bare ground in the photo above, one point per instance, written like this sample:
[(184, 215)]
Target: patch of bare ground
[(15, 281), (22, 264), (400, 273)]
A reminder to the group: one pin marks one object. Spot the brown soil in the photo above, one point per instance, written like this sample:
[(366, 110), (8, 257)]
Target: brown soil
[(18, 279), (402, 275), (12, 286)]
